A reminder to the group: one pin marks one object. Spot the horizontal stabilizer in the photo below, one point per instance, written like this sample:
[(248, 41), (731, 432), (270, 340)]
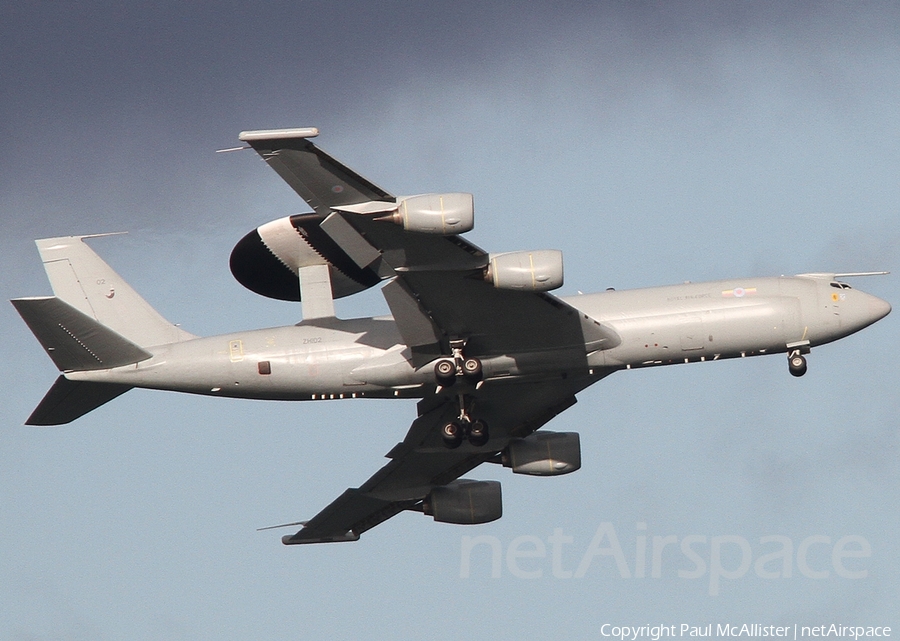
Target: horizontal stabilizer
[(68, 400), (74, 340)]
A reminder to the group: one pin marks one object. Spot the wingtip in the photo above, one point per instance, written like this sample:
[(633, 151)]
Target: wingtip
[(296, 539), (277, 134), (275, 527)]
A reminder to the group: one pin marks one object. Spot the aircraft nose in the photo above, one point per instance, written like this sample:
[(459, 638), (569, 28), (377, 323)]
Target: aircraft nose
[(861, 310), (878, 308)]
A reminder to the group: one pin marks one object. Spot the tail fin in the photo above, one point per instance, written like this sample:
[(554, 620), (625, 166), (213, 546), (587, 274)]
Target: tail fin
[(83, 280), (95, 321)]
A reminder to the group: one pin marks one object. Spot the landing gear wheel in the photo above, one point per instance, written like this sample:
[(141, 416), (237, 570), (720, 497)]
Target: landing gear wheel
[(471, 368), (445, 371), (478, 433), (452, 435), (797, 365)]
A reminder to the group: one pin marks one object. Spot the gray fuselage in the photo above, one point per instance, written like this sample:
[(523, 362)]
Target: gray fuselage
[(331, 358)]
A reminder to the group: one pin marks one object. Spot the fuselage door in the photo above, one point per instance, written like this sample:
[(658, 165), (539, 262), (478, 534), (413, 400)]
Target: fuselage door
[(691, 332)]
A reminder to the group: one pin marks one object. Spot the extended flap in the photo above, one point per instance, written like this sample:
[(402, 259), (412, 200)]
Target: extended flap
[(350, 240), (413, 322)]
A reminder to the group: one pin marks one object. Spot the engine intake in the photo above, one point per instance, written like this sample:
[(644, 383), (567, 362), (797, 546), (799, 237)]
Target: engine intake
[(532, 271), (465, 502), (544, 454)]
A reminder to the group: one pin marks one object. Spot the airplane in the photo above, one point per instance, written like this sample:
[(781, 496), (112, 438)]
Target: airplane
[(476, 336)]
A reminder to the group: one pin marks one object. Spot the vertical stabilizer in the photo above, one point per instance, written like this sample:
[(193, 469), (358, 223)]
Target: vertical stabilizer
[(83, 280)]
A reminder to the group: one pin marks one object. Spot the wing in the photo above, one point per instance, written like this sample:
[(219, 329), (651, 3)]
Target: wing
[(421, 462), (261, 262), (440, 299), (443, 276)]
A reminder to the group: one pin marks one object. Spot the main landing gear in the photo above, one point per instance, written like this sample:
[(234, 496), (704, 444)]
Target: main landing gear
[(464, 426), (454, 432), (447, 371), (796, 363)]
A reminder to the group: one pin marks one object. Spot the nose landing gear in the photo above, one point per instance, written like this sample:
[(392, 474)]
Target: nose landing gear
[(796, 363)]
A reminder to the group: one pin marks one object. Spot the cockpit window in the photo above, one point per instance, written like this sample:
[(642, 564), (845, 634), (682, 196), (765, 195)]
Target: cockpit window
[(841, 285), (836, 285)]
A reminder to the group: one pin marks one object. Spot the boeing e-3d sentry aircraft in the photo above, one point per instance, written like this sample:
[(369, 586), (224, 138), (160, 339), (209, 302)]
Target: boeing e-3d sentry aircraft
[(476, 336)]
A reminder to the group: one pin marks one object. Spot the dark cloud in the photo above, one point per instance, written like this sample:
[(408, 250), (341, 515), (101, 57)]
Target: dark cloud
[(114, 107)]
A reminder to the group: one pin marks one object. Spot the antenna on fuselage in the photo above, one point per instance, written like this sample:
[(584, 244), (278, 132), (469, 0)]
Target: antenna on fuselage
[(854, 274)]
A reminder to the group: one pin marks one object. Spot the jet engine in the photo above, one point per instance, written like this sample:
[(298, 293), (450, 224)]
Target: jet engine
[(532, 271), (465, 502), (444, 214), (544, 454)]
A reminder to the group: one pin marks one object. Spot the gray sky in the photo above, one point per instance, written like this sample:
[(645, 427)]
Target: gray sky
[(652, 143)]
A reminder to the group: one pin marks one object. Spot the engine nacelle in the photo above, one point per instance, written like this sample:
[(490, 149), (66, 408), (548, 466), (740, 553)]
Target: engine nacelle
[(532, 271), (465, 502), (445, 214), (544, 454)]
